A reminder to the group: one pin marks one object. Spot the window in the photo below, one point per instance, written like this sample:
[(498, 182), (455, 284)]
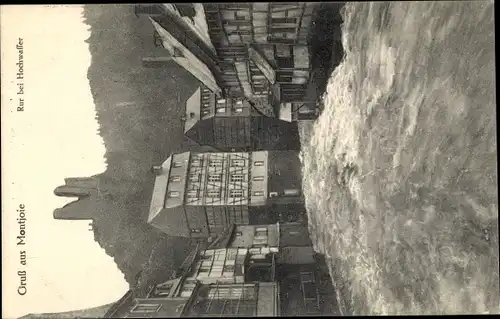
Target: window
[(208, 253), (196, 230), (306, 277), (221, 109), (194, 177), (203, 272), (162, 291), (273, 194), (237, 178), (186, 292), (215, 178), (239, 234), (238, 109), (238, 162), (231, 292), (192, 193), (231, 255), (213, 193), (196, 162), (259, 243), (220, 255), (236, 193), (258, 163), (240, 15), (258, 178), (215, 162), (146, 307), (221, 101), (177, 164), (292, 192), (173, 194), (254, 251), (258, 193), (216, 271), (228, 268), (206, 257), (283, 20), (261, 233), (175, 178), (239, 102), (187, 289)]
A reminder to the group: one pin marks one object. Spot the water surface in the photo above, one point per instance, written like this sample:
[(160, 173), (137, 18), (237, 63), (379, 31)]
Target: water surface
[(400, 169)]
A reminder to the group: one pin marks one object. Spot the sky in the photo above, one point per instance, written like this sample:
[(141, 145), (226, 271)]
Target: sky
[(53, 138)]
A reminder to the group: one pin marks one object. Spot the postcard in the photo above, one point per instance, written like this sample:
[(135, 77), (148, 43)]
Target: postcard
[(249, 159)]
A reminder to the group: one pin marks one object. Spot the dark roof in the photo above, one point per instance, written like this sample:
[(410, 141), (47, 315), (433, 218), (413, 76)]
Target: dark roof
[(127, 298), (222, 241), (202, 132), (172, 221), (284, 170), (188, 261)]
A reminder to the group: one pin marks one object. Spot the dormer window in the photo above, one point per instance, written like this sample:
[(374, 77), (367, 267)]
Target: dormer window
[(175, 178), (177, 164), (173, 194), (146, 307)]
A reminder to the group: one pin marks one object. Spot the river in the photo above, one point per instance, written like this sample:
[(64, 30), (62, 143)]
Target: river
[(400, 173)]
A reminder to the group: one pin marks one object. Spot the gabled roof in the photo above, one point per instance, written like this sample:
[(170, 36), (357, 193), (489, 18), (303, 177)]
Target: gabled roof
[(159, 190), (170, 219)]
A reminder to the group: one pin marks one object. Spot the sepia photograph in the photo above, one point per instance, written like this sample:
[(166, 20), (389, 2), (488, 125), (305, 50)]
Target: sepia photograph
[(249, 159)]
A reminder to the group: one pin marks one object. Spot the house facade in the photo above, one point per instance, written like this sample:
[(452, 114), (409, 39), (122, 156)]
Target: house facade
[(234, 124), (239, 274), (198, 195)]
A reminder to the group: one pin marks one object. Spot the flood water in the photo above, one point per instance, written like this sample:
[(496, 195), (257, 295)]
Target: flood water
[(400, 172)]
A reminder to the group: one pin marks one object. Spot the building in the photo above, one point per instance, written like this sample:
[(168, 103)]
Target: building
[(253, 57), (242, 273), (233, 124), (198, 195)]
